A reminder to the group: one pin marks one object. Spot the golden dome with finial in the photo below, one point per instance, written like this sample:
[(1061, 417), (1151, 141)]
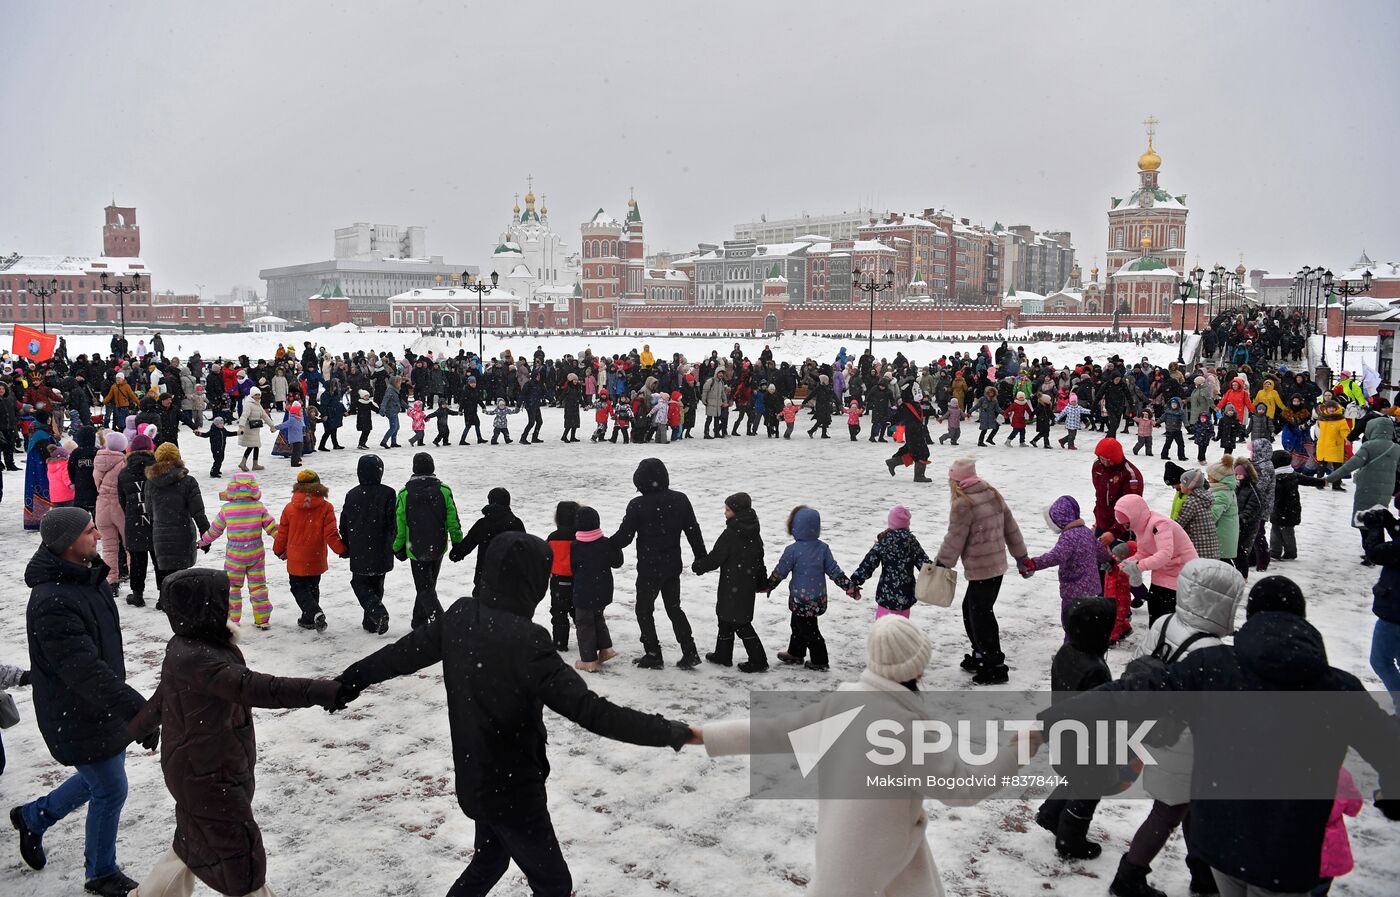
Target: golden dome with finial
[(1240, 269), (544, 204), (1146, 241), (1149, 161), (517, 204), (530, 199)]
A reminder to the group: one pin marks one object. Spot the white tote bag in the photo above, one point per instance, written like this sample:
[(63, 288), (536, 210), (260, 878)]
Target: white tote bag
[(936, 585)]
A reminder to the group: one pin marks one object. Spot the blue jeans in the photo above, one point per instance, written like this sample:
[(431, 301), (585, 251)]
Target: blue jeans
[(100, 785), (1385, 657), (393, 434)]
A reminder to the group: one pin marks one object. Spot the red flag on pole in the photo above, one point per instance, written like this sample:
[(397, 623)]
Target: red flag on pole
[(33, 344)]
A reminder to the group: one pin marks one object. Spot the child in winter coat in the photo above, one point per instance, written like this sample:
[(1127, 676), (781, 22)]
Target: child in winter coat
[(1077, 553), (293, 431), (675, 414), (1261, 423), (738, 556), (1229, 430), (443, 415), (898, 554), (217, 435), (417, 420), (622, 420), (1044, 417), (853, 413), (307, 528), (602, 413), (244, 519), (365, 408), (500, 422), (1336, 847), (1202, 432), (660, 417), (1017, 414), (987, 411), (1079, 666), (808, 559), (1288, 508), (203, 709), (789, 415), (1145, 423), (56, 463), (1119, 589), (561, 573), (953, 417), (772, 410), (1073, 416), (592, 559), (1173, 420)]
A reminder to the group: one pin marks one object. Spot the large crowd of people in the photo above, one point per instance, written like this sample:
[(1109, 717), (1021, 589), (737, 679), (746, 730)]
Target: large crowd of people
[(107, 489)]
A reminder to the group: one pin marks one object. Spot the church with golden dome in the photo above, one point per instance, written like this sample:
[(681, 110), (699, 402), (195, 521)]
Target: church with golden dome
[(1146, 240)]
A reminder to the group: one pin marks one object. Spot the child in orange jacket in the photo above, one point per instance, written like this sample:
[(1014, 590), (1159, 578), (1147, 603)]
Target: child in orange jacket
[(306, 530)]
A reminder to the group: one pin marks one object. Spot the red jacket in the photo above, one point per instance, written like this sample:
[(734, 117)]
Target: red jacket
[(1112, 480), (306, 529), (1016, 414)]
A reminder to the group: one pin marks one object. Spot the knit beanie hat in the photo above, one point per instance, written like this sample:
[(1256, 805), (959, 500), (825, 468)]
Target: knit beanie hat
[(499, 496), (169, 452), (1272, 593), (1172, 473), (422, 464), (898, 517), (307, 475), (964, 472), (739, 501), (1192, 479), (898, 649), (141, 443), (62, 526), (114, 442)]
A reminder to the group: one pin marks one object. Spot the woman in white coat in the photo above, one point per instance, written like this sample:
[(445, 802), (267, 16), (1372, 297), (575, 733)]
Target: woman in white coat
[(1208, 595), (871, 847), (250, 428)]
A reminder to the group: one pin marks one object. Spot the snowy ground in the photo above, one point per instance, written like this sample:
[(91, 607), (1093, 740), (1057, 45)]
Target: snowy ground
[(367, 796), (793, 347)]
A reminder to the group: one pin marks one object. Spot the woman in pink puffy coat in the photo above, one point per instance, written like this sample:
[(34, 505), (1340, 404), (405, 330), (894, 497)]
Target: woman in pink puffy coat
[(111, 521), (1163, 548)]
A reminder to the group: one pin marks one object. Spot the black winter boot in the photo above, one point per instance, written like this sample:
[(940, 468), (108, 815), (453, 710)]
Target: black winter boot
[(690, 658), (31, 844), (1131, 881), (1202, 879), (649, 662), (1072, 838), (724, 651), (892, 463), (758, 658), (921, 473), (1048, 816), (115, 885)]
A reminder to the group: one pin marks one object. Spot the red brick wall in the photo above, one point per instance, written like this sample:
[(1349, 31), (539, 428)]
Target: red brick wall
[(328, 311)]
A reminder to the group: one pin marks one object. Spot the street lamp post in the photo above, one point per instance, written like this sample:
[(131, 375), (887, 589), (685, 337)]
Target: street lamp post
[(1346, 289), (43, 292), (480, 287), (1183, 289), (1196, 277), (873, 288), (122, 289)]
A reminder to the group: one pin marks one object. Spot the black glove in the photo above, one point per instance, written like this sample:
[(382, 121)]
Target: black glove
[(695, 567), (205, 548), (1376, 517), (1390, 807), (151, 741), (343, 696), (402, 554), (458, 551), (24, 678)]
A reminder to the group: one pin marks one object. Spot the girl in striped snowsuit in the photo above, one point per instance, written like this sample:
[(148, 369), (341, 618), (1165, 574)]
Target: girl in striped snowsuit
[(243, 518)]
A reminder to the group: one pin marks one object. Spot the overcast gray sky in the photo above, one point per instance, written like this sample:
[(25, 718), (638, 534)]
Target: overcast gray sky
[(245, 133)]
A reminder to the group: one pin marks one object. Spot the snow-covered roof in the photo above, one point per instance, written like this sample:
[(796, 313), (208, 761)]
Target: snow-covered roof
[(1147, 266), (49, 265), (1161, 199), (813, 238), (1379, 271), (601, 217), (667, 274), (452, 295), (269, 319), (520, 271)]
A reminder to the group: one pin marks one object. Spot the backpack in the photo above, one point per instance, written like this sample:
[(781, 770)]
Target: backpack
[(1160, 658)]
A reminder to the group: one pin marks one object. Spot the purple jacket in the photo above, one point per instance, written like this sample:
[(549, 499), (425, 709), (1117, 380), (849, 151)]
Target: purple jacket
[(1077, 553)]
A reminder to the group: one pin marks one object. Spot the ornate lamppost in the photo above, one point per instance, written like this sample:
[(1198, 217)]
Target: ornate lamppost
[(122, 289), (480, 287), (43, 292), (1183, 290), (873, 288), (1346, 289)]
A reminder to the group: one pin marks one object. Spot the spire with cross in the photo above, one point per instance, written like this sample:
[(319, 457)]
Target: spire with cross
[(1151, 123)]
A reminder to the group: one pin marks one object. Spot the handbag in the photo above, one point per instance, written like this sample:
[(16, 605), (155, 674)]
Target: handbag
[(255, 424), (9, 713), (936, 585)]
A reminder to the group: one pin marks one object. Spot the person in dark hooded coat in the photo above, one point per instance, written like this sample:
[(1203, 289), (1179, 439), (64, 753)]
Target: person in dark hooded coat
[(1267, 842), (176, 510), (911, 416), (496, 518), (80, 462), (500, 671), (368, 525), (738, 556), (1079, 666), (203, 709), (656, 519)]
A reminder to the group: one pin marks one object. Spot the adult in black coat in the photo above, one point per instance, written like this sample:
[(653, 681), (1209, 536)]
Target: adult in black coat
[(368, 525), (656, 519), (81, 700), (1288, 507), (1268, 842), (500, 670), (9, 425), (136, 536), (738, 556), (176, 510), (80, 469), (570, 395), (914, 451)]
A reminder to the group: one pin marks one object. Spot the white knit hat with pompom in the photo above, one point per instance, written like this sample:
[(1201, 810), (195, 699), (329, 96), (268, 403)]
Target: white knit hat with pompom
[(899, 650)]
